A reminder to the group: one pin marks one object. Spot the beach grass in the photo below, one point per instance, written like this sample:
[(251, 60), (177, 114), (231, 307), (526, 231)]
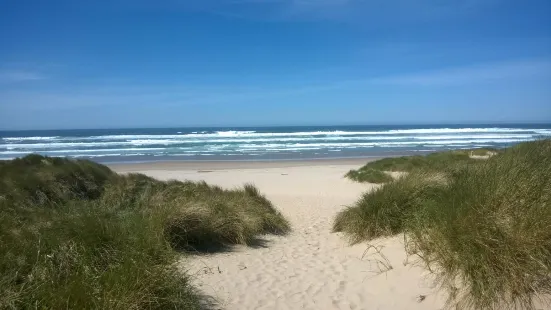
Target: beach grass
[(384, 211), (483, 151), (199, 215), (369, 175), (483, 229), (372, 172), (76, 235)]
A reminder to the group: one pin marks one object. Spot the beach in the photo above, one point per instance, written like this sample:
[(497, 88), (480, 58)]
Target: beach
[(311, 268)]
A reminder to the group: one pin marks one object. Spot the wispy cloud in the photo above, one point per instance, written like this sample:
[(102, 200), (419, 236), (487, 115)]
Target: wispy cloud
[(342, 10), (471, 74), (16, 76), (128, 94)]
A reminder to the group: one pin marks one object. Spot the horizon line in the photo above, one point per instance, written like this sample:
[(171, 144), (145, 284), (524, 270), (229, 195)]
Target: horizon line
[(283, 126)]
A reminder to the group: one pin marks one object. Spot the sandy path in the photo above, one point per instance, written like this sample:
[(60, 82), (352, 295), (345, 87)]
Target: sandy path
[(311, 268)]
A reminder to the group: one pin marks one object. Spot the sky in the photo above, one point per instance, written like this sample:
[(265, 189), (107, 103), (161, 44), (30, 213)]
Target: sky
[(174, 63)]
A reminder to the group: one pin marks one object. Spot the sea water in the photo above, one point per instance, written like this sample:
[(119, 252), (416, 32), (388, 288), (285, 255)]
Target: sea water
[(263, 143)]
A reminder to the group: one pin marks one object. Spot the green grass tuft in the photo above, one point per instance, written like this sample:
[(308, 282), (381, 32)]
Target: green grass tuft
[(484, 229), (383, 211), (76, 235), (199, 215), (86, 255), (373, 172), (35, 180), (369, 175)]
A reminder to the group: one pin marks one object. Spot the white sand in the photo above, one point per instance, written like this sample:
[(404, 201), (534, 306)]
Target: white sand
[(311, 268)]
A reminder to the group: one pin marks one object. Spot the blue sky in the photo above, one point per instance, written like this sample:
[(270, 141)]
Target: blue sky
[(145, 63)]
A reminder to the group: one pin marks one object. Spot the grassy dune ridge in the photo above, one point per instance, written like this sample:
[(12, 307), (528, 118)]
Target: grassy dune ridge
[(76, 235), (374, 172), (483, 228)]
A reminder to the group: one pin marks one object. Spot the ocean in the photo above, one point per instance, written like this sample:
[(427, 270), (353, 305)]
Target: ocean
[(262, 143)]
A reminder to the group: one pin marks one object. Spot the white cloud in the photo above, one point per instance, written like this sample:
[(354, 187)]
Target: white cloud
[(470, 74), (365, 11), (20, 76), (131, 95)]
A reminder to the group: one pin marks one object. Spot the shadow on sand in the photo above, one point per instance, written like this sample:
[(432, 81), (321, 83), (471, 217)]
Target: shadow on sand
[(212, 248)]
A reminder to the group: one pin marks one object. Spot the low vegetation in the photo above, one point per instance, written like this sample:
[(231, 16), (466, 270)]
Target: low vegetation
[(374, 172), (484, 229), (385, 210), (369, 175), (76, 235)]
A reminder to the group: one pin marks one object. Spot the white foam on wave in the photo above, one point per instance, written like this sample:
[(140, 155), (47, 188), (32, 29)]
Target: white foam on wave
[(349, 138), (369, 144), (327, 134), (329, 138), (482, 136), (152, 141), (253, 134), (245, 142), (463, 130), (83, 151), (292, 149), (29, 138), (234, 133), (12, 146), (87, 155), (109, 155), (168, 142), (194, 134)]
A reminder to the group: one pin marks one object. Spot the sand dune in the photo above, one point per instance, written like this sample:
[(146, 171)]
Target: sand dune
[(311, 268)]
